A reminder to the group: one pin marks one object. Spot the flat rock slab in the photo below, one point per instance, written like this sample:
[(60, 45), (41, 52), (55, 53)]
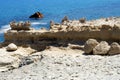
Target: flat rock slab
[(13, 59)]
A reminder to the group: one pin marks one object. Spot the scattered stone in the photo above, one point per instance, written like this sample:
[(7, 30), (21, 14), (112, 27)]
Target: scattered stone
[(106, 19), (11, 47), (82, 20), (52, 23), (114, 49), (102, 48), (89, 45), (37, 15), (30, 59), (106, 27), (65, 19), (116, 27)]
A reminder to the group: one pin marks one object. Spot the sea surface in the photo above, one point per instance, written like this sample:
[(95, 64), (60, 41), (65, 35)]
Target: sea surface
[(20, 10)]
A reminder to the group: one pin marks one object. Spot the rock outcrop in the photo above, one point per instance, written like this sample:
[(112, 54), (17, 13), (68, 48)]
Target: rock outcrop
[(52, 23), (1, 45), (65, 19), (65, 34), (11, 47), (102, 48), (90, 45), (37, 15), (114, 49), (20, 26), (15, 59), (8, 63), (68, 30), (82, 20)]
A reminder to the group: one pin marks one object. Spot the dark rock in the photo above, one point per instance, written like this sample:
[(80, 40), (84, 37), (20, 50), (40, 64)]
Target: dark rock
[(114, 49), (37, 15), (82, 20), (65, 19), (90, 45), (52, 23)]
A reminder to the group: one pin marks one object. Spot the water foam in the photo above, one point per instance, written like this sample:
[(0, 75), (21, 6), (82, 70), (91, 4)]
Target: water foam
[(4, 28), (38, 23)]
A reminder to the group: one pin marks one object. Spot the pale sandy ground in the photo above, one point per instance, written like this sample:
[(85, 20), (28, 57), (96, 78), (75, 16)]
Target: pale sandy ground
[(67, 64)]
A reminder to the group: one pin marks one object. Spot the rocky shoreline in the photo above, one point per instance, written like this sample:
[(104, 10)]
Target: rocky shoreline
[(79, 47)]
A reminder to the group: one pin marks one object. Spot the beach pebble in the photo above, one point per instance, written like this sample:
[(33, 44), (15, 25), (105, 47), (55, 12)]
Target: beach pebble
[(11, 47), (89, 45), (114, 49), (101, 48)]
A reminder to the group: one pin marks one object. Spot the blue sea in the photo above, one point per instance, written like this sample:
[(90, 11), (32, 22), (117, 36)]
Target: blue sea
[(54, 10)]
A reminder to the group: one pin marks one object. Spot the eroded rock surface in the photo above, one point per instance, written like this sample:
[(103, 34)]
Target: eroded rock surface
[(68, 30), (102, 48), (8, 63), (67, 64), (114, 49), (14, 59), (20, 25), (90, 45)]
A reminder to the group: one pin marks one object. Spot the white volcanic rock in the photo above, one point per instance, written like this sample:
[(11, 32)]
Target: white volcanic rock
[(8, 62), (101, 48), (89, 45), (11, 47), (114, 49)]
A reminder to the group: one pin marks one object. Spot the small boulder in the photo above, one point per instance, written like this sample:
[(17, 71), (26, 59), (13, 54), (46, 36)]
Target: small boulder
[(106, 27), (82, 20), (37, 15), (52, 23), (89, 45), (114, 49), (101, 48), (65, 19), (11, 47)]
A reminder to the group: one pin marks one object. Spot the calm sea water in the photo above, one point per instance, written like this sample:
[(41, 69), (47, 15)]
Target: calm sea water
[(20, 10)]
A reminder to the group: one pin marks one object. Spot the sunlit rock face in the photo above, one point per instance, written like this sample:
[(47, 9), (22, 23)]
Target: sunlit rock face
[(100, 29), (20, 25)]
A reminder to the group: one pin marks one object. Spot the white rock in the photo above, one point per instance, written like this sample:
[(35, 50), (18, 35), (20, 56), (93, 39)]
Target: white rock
[(101, 48), (89, 45), (11, 47), (8, 62), (74, 46), (114, 49)]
